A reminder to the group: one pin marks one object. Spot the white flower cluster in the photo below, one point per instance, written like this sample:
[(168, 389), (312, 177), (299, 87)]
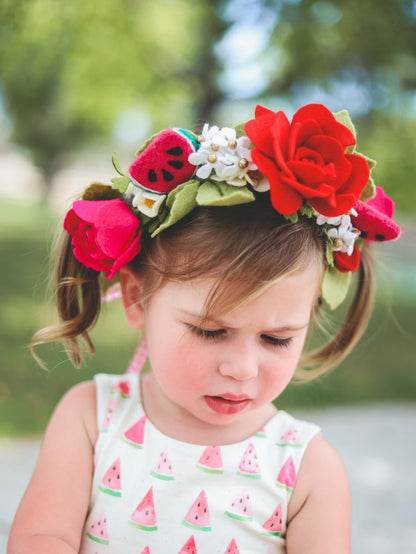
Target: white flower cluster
[(342, 232), (227, 156)]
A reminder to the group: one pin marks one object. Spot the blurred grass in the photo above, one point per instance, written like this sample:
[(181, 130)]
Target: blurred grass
[(382, 368)]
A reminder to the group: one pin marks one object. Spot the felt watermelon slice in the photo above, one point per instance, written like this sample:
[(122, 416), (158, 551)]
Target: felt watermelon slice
[(287, 475), (274, 524), (249, 466), (241, 508), (232, 548), (135, 434), (98, 529), (108, 417), (123, 387), (111, 482), (189, 547), (163, 468), (198, 514), (163, 164), (144, 516), (374, 218), (211, 460), (290, 438)]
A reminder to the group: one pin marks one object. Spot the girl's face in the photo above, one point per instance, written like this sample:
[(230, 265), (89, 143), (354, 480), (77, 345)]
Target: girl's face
[(224, 375)]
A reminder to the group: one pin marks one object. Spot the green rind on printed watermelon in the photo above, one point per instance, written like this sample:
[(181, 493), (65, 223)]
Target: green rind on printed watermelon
[(237, 516), (143, 527), (209, 469), (288, 444), (250, 475), (271, 533), (280, 485), (260, 434), (197, 527), (97, 539), (131, 443), (161, 476), (109, 491)]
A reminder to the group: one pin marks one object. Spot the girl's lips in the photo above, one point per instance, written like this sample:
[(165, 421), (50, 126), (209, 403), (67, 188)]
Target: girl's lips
[(228, 403)]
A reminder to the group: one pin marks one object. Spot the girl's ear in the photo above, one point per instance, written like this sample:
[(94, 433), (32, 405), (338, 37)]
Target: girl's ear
[(132, 294)]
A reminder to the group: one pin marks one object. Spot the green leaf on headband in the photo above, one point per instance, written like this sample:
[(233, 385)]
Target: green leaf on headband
[(293, 218), (306, 210), (121, 183), (369, 191), (335, 286), (239, 129), (218, 193), (116, 164), (146, 144), (179, 203), (100, 191), (343, 117)]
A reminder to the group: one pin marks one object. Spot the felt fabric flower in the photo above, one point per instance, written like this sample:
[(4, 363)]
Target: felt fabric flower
[(345, 262), (105, 234), (308, 158)]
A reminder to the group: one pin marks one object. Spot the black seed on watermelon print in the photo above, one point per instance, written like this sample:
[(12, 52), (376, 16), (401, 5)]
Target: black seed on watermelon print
[(176, 151), (380, 237), (167, 175), (151, 175), (176, 164)]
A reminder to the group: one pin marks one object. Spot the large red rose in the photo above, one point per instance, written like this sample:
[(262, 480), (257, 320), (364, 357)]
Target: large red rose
[(307, 159), (105, 234)]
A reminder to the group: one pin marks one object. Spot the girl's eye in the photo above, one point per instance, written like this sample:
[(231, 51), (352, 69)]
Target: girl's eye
[(274, 341), (207, 333)]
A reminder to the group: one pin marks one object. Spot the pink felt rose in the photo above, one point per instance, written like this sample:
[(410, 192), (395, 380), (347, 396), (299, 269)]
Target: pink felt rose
[(307, 159), (105, 234)]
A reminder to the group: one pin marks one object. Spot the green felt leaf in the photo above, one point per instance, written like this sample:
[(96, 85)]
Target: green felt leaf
[(179, 203), (116, 164), (239, 129), (293, 218), (218, 193), (121, 183), (100, 191), (335, 286), (146, 144), (306, 210)]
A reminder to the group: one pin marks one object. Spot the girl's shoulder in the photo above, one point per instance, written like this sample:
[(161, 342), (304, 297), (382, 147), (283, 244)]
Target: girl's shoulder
[(81, 399)]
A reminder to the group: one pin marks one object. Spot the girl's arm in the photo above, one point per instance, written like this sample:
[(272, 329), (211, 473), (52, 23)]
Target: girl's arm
[(319, 512), (52, 513)]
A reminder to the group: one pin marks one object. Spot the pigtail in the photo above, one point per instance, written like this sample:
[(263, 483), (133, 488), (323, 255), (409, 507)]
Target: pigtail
[(78, 299), (352, 327)]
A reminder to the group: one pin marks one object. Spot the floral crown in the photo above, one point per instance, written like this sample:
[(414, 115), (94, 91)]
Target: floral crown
[(309, 166)]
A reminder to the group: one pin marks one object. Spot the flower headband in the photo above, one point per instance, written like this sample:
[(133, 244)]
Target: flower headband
[(309, 166)]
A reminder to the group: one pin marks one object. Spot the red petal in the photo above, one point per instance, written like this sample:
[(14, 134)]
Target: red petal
[(344, 262), (327, 122)]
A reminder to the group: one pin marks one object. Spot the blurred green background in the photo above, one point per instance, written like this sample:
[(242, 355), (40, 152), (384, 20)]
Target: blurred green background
[(80, 79)]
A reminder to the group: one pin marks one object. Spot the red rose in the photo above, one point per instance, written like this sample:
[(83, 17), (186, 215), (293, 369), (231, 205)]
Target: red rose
[(307, 159), (105, 234), (345, 263)]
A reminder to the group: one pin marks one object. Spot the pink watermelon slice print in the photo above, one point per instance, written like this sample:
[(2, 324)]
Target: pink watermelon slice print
[(241, 508), (249, 466), (211, 460), (287, 475), (135, 434), (163, 468), (123, 387), (145, 551), (163, 164), (98, 529), (111, 482), (189, 547), (261, 433), (198, 514), (232, 548), (274, 524), (109, 415), (290, 438), (144, 516)]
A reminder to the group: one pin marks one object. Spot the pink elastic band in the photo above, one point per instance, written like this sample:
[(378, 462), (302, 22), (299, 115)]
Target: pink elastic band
[(139, 358)]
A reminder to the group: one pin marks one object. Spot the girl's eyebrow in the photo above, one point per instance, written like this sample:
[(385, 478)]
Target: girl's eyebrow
[(219, 323)]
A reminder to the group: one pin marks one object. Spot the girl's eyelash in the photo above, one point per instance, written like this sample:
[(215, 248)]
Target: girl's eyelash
[(206, 333), (274, 341)]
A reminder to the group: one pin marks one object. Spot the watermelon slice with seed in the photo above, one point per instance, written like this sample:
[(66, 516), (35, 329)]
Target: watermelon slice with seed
[(135, 434), (274, 524), (211, 460), (98, 529), (261, 433), (249, 466), (163, 468), (241, 508), (111, 482), (108, 417), (232, 548), (144, 516), (123, 387), (189, 547), (287, 475), (198, 514), (163, 164), (290, 438)]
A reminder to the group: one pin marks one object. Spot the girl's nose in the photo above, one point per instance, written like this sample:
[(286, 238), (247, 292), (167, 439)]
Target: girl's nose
[(240, 364)]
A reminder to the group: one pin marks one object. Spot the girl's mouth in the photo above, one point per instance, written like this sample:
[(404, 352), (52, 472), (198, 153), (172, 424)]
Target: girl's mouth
[(227, 404)]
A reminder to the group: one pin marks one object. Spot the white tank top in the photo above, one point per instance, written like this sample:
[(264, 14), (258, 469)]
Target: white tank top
[(152, 494)]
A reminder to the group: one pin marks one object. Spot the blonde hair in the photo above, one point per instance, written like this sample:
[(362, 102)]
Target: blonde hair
[(245, 248)]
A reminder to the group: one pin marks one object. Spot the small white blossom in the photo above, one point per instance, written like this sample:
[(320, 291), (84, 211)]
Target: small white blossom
[(343, 238), (146, 202)]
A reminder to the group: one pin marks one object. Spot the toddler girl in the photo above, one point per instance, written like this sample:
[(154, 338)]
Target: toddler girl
[(226, 245)]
